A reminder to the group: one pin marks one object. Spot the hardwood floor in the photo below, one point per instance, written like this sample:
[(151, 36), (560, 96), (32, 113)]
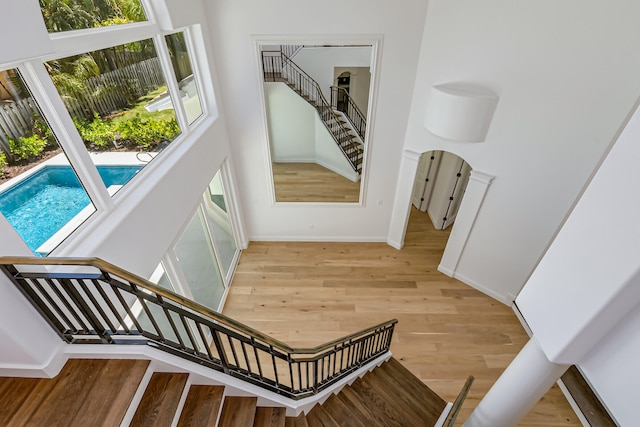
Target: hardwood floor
[(308, 293), (310, 182)]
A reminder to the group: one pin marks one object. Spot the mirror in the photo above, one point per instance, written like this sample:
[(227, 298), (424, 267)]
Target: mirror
[(317, 98)]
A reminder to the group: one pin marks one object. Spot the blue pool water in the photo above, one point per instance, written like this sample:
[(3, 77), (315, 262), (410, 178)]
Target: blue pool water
[(43, 203)]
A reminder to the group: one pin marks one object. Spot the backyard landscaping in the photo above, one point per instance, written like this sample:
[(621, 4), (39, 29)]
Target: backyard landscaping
[(133, 129)]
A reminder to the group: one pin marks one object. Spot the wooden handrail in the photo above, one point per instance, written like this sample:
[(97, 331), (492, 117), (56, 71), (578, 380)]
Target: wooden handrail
[(186, 302), (93, 298)]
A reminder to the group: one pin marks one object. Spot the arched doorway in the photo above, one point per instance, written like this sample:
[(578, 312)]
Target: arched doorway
[(343, 82), (441, 180)]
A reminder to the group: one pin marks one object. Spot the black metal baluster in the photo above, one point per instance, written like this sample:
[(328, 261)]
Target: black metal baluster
[(86, 311), (98, 286), (96, 306)]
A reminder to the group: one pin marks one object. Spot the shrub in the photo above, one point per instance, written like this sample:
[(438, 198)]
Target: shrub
[(99, 132), (147, 132), (27, 147)]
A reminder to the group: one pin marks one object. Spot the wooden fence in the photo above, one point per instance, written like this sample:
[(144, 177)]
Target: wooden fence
[(16, 120), (114, 90), (104, 95)]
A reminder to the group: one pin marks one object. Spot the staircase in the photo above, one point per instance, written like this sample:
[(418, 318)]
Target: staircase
[(91, 302), (106, 392), (349, 136)]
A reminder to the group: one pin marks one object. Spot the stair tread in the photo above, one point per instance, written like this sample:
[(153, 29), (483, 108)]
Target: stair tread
[(418, 397), (269, 417), (238, 411), (299, 421), (366, 412), (160, 400), (422, 391), (342, 413), (86, 392), (389, 399), (320, 417), (202, 406), (383, 407)]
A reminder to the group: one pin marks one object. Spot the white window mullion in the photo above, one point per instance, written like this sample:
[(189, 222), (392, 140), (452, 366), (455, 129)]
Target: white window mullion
[(174, 271), (191, 38), (55, 112), (172, 83)]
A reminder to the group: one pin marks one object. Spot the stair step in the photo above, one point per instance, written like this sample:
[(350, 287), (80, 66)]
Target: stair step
[(366, 412), (160, 400), (429, 400), (202, 406), (238, 411), (299, 421), (85, 392), (339, 410), (270, 417), (320, 417)]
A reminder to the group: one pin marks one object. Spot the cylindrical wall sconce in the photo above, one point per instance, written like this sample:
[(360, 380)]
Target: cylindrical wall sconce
[(460, 112)]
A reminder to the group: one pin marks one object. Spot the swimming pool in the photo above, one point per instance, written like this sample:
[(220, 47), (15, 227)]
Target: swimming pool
[(42, 204)]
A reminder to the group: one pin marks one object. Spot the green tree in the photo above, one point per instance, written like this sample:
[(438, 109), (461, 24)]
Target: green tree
[(65, 15)]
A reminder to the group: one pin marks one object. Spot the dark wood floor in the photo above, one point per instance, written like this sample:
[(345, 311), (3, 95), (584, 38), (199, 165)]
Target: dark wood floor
[(308, 293)]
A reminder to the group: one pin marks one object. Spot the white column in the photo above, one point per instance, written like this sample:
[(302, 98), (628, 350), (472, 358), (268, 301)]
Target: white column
[(467, 213), (402, 202), (518, 389)]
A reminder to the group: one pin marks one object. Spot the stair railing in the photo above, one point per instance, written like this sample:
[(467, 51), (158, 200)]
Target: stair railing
[(341, 101), (277, 66), (87, 300)]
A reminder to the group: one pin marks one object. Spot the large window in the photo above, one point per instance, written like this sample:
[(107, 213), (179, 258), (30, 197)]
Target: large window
[(65, 15), (119, 102), (40, 193), (106, 114), (200, 264)]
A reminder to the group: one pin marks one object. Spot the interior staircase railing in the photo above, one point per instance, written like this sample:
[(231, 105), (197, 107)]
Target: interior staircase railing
[(87, 300), (341, 101), (277, 67)]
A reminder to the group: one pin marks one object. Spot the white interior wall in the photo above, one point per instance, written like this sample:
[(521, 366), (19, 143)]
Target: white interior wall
[(237, 28), (320, 62), (329, 155), (612, 369), (147, 218), (582, 302), (296, 133), (359, 85), (20, 319), (567, 75), (291, 122)]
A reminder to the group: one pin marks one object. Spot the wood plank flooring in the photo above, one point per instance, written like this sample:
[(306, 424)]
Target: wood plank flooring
[(85, 393), (310, 182), (308, 293)]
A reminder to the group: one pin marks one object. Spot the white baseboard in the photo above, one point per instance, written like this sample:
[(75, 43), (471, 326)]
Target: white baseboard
[(502, 298), (328, 239)]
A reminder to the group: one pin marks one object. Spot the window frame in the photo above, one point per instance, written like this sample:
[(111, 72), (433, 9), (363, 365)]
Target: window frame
[(54, 111)]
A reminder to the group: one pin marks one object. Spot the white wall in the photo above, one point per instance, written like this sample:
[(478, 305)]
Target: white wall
[(27, 341), (236, 27), (291, 122), (567, 75), (613, 370), (582, 302), (296, 133), (329, 155), (320, 63), (359, 85)]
